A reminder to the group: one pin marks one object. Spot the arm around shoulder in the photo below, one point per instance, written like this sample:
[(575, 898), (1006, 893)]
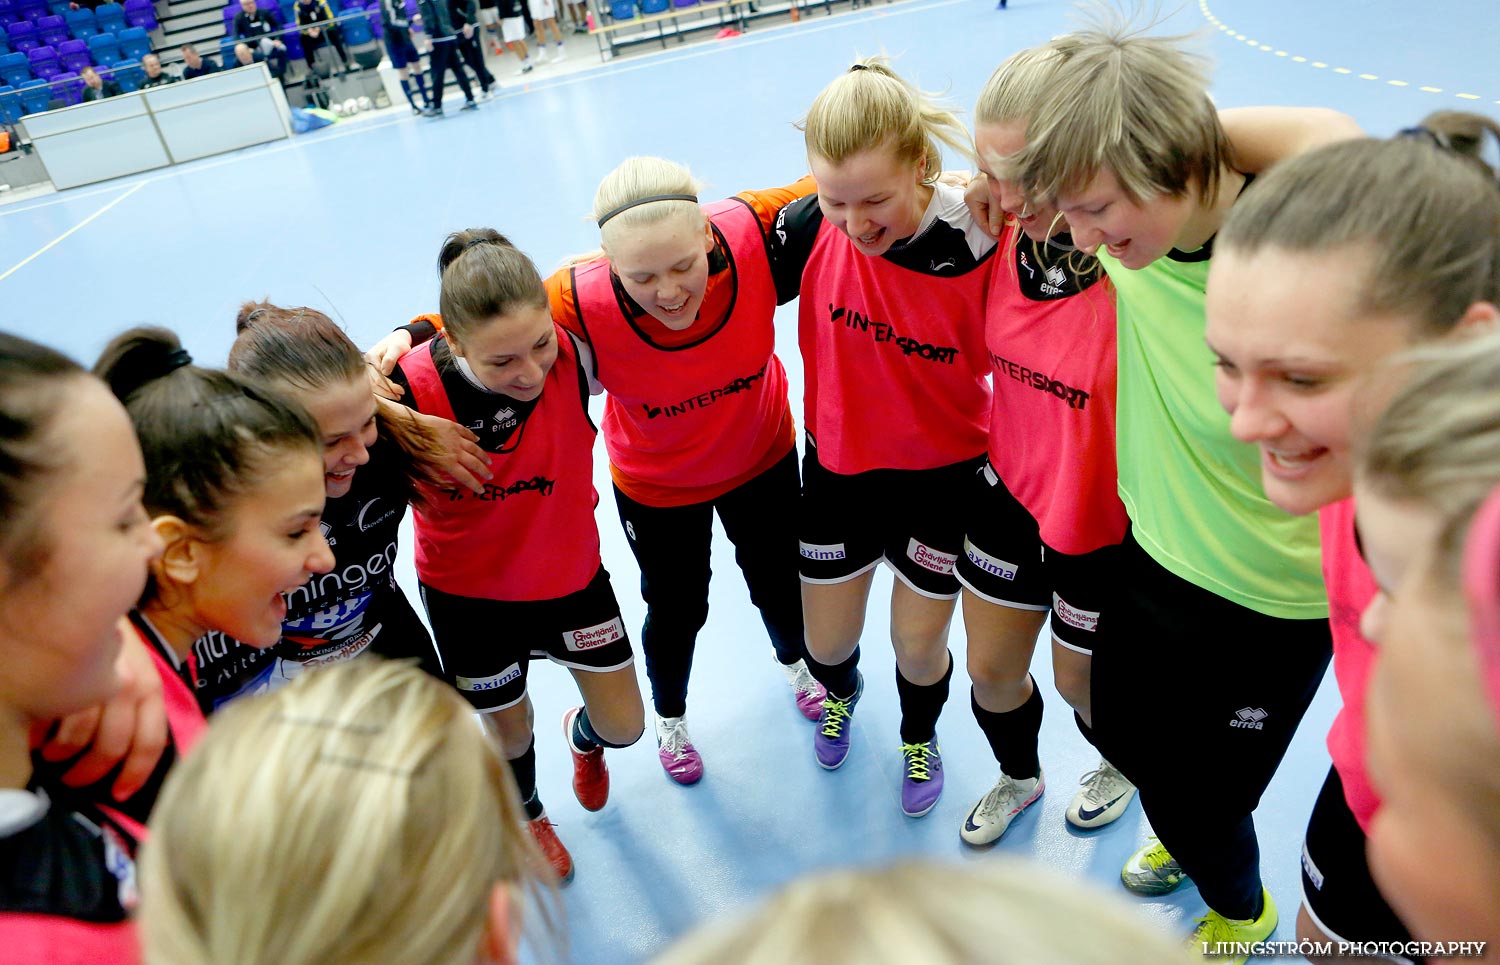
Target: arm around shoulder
[(1262, 136)]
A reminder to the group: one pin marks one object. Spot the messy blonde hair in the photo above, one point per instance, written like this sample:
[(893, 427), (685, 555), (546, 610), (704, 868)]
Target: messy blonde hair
[(1121, 100), (356, 816), (1429, 221), (934, 913), (871, 106)]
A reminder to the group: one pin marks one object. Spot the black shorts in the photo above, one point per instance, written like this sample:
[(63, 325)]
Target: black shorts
[(1005, 562), (1240, 682), (1336, 884), (403, 52), (487, 644), (911, 518)]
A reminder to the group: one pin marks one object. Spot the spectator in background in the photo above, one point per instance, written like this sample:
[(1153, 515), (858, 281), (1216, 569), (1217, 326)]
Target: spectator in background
[(466, 21), (155, 76), (244, 56), (96, 88), (194, 64), (260, 28), (318, 29), (513, 31), (489, 22), (578, 14), (403, 52), (436, 18), (544, 15)]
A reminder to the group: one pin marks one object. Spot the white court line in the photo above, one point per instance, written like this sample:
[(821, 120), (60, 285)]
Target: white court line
[(44, 248), (612, 69)]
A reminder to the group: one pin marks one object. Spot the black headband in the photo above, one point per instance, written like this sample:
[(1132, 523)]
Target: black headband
[(640, 201), (176, 360)]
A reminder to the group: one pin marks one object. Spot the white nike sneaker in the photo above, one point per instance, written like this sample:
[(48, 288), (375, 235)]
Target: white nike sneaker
[(989, 818), (1104, 796)]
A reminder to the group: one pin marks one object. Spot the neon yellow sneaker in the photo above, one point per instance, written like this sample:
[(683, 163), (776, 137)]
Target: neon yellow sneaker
[(1152, 870), (1227, 941)]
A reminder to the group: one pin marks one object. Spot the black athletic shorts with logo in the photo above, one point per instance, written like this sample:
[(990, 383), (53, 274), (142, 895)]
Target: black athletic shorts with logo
[(911, 518), (487, 644), (1336, 884), (1005, 562)]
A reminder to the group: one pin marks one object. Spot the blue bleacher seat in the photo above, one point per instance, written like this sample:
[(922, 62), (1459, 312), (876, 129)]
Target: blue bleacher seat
[(14, 70), (32, 10), (653, 6), (69, 87), (134, 44), (128, 74), (104, 49), (73, 55), (35, 96), (43, 62), (622, 9), (357, 30), (8, 13), (111, 17), (81, 23), (4, 42), (52, 30), (10, 105), (23, 36), (140, 13), (59, 8), (230, 11)]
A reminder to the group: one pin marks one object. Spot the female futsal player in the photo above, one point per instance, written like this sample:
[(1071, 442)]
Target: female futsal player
[(1339, 259), (369, 779), (677, 314), (78, 548), (515, 571), (891, 272), (1429, 522)]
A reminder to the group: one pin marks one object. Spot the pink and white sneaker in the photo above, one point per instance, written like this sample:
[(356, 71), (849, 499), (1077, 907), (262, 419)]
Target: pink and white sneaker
[(809, 693), (679, 758)]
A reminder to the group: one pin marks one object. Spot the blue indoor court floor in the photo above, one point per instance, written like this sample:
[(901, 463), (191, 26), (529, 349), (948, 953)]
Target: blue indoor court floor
[(349, 220)]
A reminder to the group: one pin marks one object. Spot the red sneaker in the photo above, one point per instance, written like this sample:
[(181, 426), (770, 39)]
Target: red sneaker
[(590, 773), (557, 856)]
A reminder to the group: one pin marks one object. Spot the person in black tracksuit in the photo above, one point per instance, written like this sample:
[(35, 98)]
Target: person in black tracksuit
[(319, 28), (437, 19), (465, 15)]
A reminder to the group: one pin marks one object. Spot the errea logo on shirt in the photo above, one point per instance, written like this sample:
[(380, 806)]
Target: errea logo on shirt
[(1249, 718)]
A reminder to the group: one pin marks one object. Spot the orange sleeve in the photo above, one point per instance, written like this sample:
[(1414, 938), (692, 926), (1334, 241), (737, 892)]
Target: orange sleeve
[(560, 300), (768, 202), (431, 318)]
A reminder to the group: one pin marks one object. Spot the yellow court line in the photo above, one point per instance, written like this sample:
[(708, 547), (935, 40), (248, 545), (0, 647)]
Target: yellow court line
[(1208, 14)]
